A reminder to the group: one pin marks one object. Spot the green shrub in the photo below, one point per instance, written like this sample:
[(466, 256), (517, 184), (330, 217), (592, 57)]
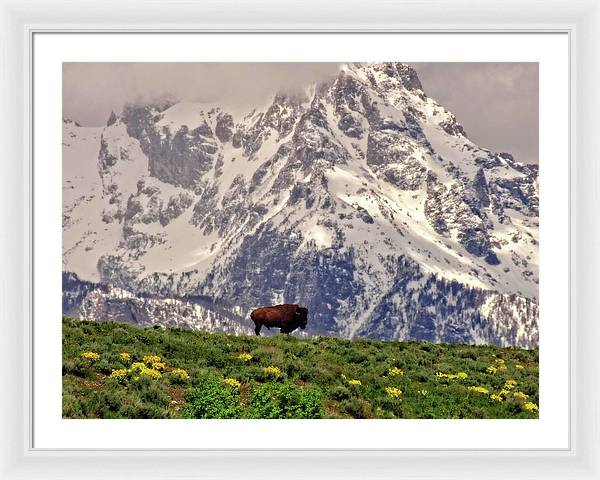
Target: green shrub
[(354, 408), (285, 400), (71, 407), (340, 393), (103, 366), (212, 399), (151, 391)]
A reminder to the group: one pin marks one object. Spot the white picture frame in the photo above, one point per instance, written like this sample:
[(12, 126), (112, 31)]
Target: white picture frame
[(19, 22)]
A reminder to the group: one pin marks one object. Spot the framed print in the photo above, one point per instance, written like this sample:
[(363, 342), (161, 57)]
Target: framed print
[(243, 248), (345, 204)]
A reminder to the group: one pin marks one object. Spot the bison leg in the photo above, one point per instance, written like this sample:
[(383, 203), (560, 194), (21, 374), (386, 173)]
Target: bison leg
[(257, 324)]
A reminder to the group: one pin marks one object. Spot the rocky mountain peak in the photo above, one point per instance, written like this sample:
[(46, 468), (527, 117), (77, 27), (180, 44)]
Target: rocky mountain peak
[(112, 119), (387, 75)]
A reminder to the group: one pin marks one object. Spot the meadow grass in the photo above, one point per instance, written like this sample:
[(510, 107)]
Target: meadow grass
[(114, 370)]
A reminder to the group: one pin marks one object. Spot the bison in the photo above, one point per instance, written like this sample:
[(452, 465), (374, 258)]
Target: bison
[(287, 317)]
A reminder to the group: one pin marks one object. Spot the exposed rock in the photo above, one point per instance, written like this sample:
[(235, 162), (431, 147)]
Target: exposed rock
[(112, 119), (224, 128)]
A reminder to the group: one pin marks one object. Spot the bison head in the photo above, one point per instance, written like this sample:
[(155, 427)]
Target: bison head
[(301, 316)]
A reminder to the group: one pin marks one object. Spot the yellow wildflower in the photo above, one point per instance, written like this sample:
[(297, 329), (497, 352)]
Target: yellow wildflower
[(483, 390), (180, 373), (452, 376), (159, 366), (519, 366), (530, 407), (498, 398), (393, 392), (150, 373), (125, 357), (504, 392), (137, 367), (119, 374), (491, 369), (232, 382), (140, 370), (90, 356), (245, 357), (392, 372), (520, 395), (510, 384), (272, 370), (150, 359), (354, 382)]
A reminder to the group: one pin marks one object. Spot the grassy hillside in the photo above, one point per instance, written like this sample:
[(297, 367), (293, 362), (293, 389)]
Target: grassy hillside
[(113, 370)]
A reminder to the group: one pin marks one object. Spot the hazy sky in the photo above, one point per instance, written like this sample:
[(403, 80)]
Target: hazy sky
[(497, 103)]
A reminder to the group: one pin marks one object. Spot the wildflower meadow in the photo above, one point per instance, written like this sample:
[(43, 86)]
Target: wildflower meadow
[(113, 370)]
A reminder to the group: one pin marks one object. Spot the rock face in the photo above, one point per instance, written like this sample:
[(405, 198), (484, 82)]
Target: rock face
[(105, 303), (361, 198)]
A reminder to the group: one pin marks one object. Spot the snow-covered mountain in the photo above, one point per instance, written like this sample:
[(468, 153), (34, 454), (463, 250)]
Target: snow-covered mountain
[(361, 198)]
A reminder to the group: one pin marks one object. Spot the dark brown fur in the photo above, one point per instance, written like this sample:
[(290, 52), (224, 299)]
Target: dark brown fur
[(287, 317)]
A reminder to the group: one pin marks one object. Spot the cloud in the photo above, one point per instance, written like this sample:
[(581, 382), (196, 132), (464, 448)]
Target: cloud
[(497, 103), (92, 90)]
